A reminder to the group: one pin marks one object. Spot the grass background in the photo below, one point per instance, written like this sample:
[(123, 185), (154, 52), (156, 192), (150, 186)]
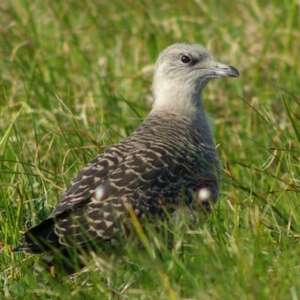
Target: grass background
[(76, 75)]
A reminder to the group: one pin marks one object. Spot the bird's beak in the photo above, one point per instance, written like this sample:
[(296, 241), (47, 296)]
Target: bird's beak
[(217, 69)]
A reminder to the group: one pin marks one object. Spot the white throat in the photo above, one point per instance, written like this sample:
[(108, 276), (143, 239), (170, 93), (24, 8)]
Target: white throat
[(176, 97), (184, 100)]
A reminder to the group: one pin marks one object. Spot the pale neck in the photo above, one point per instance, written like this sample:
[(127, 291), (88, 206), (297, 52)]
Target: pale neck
[(184, 104), (177, 99)]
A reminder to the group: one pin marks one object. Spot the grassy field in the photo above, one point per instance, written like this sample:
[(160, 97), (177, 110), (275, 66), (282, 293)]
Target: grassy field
[(76, 76)]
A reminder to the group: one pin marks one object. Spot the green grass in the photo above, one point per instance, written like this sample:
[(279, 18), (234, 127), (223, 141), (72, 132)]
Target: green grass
[(76, 76)]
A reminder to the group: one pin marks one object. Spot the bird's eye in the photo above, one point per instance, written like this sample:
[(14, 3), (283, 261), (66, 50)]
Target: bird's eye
[(185, 59)]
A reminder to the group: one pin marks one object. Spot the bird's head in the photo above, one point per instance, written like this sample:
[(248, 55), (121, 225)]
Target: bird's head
[(182, 70)]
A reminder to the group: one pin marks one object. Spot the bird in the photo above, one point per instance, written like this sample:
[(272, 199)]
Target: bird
[(169, 160)]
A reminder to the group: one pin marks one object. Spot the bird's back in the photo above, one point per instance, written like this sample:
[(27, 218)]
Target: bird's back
[(146, 172)]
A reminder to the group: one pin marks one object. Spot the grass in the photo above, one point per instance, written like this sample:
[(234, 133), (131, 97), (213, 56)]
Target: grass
[(75, 76)]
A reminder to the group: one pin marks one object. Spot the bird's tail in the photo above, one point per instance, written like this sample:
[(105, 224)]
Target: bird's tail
[(39, 239)]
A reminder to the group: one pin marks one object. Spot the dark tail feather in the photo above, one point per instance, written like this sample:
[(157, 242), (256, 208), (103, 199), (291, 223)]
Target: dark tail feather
[(40, 238)]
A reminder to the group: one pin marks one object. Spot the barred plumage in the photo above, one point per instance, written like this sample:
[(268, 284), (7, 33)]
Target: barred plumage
[(171, 151)]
